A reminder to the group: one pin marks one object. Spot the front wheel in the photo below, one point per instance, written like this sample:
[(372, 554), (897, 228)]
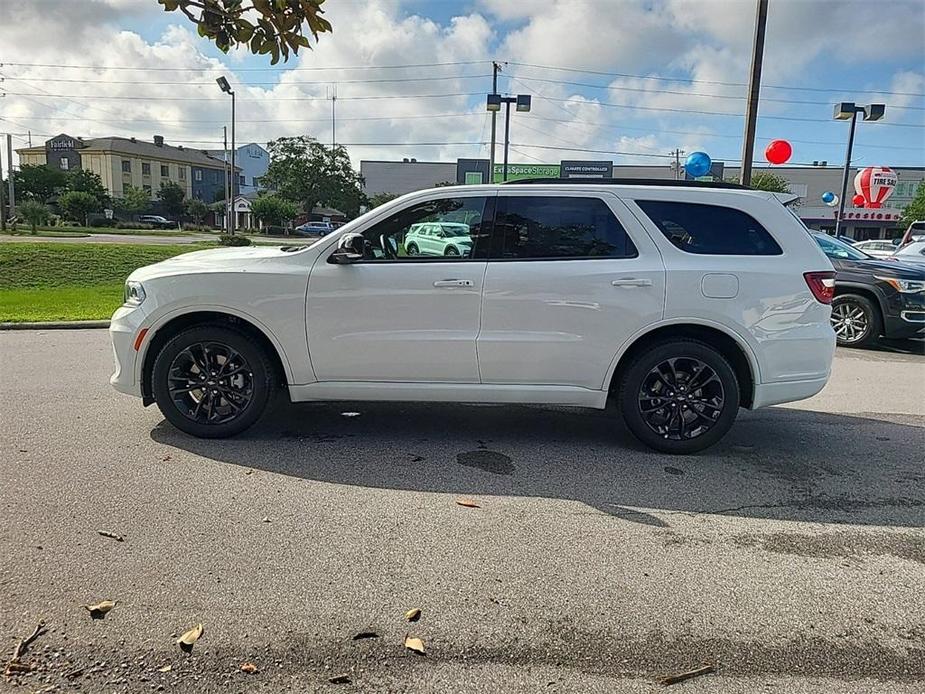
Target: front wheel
[(212, 381), (411, 249), (855, 319), (679, 396)]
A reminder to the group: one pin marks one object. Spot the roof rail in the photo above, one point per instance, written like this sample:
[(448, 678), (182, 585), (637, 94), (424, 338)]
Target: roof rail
[(631, 182)]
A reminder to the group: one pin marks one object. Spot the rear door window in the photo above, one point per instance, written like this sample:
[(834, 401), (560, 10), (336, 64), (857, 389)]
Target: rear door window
[(552, 228), (709, 229)]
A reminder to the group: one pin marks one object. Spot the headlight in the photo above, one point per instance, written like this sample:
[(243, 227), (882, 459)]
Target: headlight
[(903, 286), (133, 294)]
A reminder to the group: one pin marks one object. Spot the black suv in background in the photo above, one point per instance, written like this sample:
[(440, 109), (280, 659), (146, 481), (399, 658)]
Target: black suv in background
[(873, 297)]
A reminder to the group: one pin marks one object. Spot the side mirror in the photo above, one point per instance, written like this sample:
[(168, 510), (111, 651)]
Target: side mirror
[(350, 249)]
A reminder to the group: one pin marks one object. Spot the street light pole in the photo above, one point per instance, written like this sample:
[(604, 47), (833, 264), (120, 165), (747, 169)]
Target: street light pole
[(225, 87), (848, 110), (507, 136), (494, 117), (522, 102), (844, 177)]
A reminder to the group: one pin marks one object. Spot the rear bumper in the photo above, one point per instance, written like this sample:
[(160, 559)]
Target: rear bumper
[(767, 394)]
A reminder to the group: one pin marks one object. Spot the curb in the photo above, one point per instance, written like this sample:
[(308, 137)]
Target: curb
[(56, 325)]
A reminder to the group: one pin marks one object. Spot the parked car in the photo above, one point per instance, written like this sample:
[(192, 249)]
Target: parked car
[(158, 222), (876, 248), (438, 238), (913, 252), (314, 229), (678, 302), (873, 297)]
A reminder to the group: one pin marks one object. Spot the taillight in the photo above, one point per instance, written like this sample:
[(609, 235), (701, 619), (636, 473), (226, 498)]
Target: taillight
[(822, 285)]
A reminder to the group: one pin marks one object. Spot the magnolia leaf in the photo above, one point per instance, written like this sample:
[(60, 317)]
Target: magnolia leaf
[(166, 668), (249, 668), (189, 639), (340, 679), (111, 535), (99, 610), (468, 503), (412, 643), (413, 614)]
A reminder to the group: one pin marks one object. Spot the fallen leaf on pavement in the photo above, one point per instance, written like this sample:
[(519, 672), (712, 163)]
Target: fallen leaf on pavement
[(248, 472), (413, 615), (188, 640), (99, 610), (266, 519), (468, 503), (682, 676), (166, 668), (249, 668), (114, 536), (412, 643), (165, 458), (365, 635), (339, 679)]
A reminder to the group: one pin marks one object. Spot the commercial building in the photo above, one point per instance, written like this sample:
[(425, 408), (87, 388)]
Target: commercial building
[(252, 160), (122, 162), (807, 182)]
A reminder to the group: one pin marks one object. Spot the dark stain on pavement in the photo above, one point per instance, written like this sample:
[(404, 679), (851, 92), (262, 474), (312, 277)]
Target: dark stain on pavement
[(673, 470), (489, 461), (839, 544)]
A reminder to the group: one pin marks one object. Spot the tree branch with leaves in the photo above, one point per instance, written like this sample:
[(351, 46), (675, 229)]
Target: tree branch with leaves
[(265, 27)]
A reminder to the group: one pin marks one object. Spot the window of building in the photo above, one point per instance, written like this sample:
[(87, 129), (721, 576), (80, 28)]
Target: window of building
[(449, 229), (241, 181), (126, 166), (710, 229), (145, 169), (543, 227), (197, 175), (182, 173), (146, 188), (165, 171), (63, 163)]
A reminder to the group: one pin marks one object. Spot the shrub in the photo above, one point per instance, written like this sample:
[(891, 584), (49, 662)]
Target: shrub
[(236, 240), (34, 213), (132, 225), (274, 230)]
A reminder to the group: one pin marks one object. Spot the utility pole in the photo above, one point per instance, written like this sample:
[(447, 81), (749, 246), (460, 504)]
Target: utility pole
[(9, 166), (754, 86), (495, 68), (2, 205), (677, 163), (333, 120)]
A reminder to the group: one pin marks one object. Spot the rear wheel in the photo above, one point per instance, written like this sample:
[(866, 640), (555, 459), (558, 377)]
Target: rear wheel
[(411, 249), (211, 381), (679, 396), (451, 251), (855, 319)]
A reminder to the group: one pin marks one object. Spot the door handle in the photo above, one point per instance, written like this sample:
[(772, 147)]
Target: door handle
[(453, 283), (632, 282)]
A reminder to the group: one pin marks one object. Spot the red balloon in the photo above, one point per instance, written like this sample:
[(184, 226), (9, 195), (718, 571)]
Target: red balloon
[(778, 152), (858, 200)]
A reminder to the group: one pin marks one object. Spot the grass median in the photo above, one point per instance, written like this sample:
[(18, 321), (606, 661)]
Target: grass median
[(55, 281)]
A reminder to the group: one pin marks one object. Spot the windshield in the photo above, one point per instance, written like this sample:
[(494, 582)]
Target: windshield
[(839, 249), (453, 230), (914, 248)]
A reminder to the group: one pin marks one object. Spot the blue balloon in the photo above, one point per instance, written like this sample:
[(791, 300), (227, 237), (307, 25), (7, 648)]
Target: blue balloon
[(828, 197), (698, 164)]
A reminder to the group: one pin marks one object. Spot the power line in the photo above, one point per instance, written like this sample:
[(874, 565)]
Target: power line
[(271, 120), (258, 84), (246, 69), (715, 82), (263, 99)]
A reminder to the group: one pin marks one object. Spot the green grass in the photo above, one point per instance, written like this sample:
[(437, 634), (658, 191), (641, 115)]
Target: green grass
[(52, 281)]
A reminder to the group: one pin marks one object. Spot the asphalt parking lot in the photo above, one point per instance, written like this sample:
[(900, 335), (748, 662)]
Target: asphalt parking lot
[(791, 556)]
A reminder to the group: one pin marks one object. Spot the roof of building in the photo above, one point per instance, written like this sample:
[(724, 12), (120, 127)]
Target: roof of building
[(143, 148)]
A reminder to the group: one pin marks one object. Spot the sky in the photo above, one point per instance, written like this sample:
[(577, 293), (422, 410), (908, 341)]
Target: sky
[(622, 80)]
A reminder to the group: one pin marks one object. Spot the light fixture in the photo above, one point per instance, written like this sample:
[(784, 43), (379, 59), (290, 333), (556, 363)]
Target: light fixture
[(494, 102)]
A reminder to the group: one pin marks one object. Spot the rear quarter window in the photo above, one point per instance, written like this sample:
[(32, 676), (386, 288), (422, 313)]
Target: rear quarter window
[(709, 229)]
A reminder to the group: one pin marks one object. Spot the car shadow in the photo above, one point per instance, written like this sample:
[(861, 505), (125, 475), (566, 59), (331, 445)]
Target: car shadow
[(778, 463)]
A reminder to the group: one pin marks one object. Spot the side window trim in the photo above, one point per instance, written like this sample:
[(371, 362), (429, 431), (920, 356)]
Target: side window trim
[(496, 253)]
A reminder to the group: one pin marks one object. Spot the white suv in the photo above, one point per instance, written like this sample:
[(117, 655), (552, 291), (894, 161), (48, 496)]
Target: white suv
[(438, 238), (679, 303)]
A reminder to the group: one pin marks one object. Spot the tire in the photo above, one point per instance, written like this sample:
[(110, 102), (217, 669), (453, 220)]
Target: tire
[(856, 320), (243, 396), (683, 420), (411, 249), (451, 252)]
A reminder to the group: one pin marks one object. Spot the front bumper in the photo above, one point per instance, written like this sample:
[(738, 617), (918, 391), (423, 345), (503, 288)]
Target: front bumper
[(124, 327), (907, 318)]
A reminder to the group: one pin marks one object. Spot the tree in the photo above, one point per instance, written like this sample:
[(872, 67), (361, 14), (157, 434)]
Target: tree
[(171, 195), (381, 199), (133, 201), (88, 182), (306, 172), (196, 209), (770, 182), (264, 27), (915, 210), (77, 205), (272, 209), (34, 212), (38, 182)]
